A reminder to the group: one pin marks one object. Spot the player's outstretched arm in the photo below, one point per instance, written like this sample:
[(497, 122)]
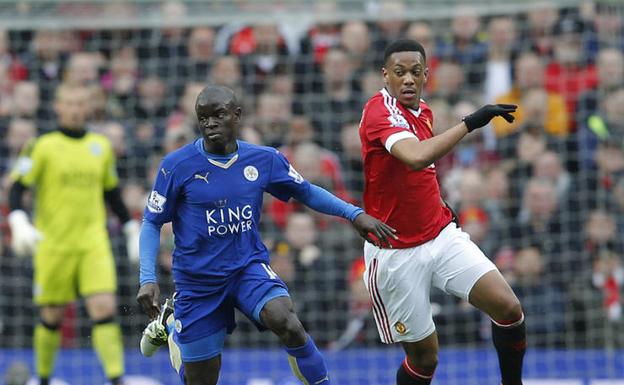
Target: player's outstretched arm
[(149, 291), (420, 154), (321, 200)]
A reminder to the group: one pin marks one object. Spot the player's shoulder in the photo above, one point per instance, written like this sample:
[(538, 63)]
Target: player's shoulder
[(48, 140), (379, 101), (99, 139), (425, 109), (382, 104), (256, 149), (178, 157)]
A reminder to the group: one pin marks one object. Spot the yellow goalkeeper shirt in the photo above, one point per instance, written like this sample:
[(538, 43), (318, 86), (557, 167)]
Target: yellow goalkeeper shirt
[(70, 176)]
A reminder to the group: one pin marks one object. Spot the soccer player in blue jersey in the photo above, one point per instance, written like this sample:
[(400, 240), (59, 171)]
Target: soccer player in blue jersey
[(212, 190)]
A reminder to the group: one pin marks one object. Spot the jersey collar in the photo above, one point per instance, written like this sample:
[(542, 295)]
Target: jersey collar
[(416, 113), (222, 161)]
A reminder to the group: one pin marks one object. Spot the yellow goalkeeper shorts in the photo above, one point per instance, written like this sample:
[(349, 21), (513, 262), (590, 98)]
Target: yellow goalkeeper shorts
[(61, 277)]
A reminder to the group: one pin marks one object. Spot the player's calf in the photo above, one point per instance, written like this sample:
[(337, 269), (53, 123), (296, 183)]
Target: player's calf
[(420, 361), (509, 339), (304, 358), (409, 374)]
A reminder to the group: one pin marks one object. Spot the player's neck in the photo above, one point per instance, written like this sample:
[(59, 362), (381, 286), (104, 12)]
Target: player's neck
[(228, 149), (73, 132)]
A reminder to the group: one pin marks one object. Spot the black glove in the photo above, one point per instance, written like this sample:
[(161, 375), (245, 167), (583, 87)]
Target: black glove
[(455, 217), (483, 115)]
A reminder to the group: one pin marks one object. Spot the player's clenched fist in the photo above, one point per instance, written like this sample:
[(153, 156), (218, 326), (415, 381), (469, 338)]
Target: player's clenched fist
[(483, 115), (147, 297), (366, 225)]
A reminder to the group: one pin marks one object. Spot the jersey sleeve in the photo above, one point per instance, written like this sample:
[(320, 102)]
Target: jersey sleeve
[(384, 125), (30, 163), (111, 180), (161, 201), (285, 182)]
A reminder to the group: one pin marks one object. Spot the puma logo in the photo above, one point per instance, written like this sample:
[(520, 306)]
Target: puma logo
[(202, 177), (165, 172)]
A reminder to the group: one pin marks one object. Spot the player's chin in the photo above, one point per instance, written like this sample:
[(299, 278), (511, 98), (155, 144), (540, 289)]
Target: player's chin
[(215, 138), (409, 100)]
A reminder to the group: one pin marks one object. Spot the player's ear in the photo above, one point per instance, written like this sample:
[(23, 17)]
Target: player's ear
[(384, 73), (238, 113), (426, 74)]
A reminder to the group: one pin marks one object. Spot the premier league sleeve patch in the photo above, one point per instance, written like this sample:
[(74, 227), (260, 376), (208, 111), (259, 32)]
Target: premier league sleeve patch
[(398, 121), (156, 202)]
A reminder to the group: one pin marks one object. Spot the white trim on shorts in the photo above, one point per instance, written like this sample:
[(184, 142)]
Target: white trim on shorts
[(399, 281)]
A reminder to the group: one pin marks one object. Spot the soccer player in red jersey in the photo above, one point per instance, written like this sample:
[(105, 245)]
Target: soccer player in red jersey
[(399, 151)]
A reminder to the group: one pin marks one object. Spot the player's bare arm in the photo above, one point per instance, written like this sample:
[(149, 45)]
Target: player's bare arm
[(405, 73), (420, 154)]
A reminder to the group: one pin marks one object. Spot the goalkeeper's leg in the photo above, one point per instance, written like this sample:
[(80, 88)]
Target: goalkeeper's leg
[(106, 335), (47, 340)]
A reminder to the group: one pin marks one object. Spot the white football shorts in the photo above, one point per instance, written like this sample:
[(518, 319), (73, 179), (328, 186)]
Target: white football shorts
[(399, 281)]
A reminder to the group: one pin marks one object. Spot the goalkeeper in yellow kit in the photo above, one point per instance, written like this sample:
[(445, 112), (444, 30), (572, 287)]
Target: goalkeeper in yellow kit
[(73, 174)]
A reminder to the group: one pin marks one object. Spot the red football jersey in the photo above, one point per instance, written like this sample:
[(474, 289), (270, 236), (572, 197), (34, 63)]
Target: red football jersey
[(405, 199)]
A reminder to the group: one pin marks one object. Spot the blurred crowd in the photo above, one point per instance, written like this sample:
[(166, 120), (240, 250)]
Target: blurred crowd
[(543, 197)]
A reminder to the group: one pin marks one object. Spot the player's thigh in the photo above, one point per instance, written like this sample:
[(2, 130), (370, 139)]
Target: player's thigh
[(201, 323), (55, 278), (424, 353), (399, 283), (459, 263), (197, 352), (202, 372), (493, 295), (257, 286), (97, 272)]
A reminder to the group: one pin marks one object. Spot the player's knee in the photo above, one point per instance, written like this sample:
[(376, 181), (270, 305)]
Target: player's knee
[(290, 330), (201, 379), (51, 317), (209, 380), (509, 311), (101, 306), (50, 325), (427, 361)]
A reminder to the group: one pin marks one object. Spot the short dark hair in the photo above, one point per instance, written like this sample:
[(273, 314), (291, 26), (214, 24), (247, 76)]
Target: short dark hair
[(214, 91), (404, 45)]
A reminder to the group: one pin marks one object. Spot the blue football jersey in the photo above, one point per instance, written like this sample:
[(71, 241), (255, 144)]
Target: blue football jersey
[(215, 206)]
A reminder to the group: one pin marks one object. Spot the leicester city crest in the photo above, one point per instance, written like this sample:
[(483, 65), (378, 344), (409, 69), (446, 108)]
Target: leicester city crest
[(95, 149)]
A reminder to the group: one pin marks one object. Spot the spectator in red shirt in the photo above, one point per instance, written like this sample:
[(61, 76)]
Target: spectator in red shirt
[(569, 73)]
